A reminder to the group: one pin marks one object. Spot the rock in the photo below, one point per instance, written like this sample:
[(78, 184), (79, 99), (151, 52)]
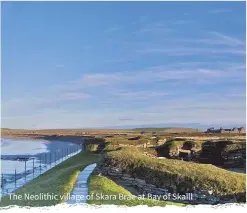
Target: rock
[(210, 192), (140, 181), (126, 176), (212, 199), (114, 174), (162, 189), (233, 200), (114, 169), (150, 186), (141, 186)]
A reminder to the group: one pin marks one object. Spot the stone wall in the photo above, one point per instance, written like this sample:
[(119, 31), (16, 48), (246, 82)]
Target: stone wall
[(140, 184), (144, 188)]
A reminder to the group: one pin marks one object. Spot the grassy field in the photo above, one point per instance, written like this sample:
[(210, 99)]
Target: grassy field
[(168, 130), (58, 181), (114, 194), (124, 140), (185, 175)]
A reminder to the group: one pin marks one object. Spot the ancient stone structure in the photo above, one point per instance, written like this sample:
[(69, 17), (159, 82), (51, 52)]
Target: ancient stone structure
[(199, 196)]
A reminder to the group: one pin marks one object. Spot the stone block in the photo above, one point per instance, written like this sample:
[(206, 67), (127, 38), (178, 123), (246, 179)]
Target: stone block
[(127, 178), (162, 189), (140, 181), (114, 169), (126, 175), (151, 186), (114, 174)]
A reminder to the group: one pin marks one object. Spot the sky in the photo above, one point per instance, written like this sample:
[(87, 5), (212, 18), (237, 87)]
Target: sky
[(122, 64)]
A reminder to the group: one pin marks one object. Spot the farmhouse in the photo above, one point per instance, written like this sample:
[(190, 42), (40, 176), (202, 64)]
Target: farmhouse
[(221, 130)]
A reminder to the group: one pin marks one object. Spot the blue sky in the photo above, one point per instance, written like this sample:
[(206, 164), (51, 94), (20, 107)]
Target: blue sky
[(91, 64)]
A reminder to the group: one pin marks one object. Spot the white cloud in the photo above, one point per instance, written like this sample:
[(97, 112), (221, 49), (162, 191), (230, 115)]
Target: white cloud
[(153, 30), (184, 110), (219, 11), (148, 75), (189, 51), (228, 39)]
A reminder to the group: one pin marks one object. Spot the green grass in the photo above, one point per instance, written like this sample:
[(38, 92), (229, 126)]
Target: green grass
[(123, 140), (167, 129), (235, 146), (185, 175), (113, 194), (174, 145), (56, 181)]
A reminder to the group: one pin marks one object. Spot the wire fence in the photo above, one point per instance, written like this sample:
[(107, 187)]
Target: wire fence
[(34, 166)]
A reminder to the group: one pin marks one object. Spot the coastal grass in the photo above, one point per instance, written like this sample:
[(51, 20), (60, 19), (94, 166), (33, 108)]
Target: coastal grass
[(114, 194), (177, 143), (235, 146), (168, 130), (186, 175), (124, 140), (58, 181)]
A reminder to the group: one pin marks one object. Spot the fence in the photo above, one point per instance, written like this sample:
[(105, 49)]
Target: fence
[(35, 166)]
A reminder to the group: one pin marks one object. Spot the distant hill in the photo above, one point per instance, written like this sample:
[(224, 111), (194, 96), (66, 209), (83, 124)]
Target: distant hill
[(168, 130)]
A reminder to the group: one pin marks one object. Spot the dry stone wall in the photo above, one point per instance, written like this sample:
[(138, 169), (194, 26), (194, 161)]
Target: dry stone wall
[(144, 188)]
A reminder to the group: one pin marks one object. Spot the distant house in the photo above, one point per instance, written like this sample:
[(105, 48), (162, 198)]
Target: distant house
[(221, 130), (241, 130)]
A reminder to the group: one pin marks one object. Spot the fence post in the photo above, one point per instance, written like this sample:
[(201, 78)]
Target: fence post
[(15, 177), (25, 169), (2, 183), (55, 157), (40, 164), (50, 159), (45, 161), (33, 167)]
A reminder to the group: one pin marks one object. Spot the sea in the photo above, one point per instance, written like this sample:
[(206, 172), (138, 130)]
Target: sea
[(23, 157)]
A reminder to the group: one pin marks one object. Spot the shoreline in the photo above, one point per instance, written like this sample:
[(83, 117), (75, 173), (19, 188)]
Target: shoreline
[(64, 138), (67, 171)]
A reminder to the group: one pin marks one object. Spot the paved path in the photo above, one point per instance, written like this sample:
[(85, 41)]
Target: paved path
[(80, 190)]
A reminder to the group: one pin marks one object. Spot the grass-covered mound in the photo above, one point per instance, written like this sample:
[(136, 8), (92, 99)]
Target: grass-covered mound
[(184, 175), (113, 194), (128, 140), (235, 147), (174, 145), (57, 181)]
